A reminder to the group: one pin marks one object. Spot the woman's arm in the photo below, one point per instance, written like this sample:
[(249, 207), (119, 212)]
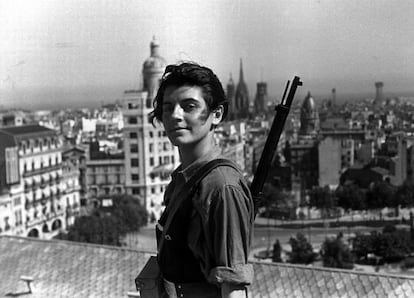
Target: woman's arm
[(232, 291)]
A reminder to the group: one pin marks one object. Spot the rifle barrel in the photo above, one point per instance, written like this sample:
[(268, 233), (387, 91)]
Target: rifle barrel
[(282, 111)]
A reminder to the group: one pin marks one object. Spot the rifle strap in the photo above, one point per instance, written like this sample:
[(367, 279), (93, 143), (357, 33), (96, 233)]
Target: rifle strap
[(187, 189)]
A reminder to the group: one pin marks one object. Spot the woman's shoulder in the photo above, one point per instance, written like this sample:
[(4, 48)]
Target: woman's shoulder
[(227, 174), (224, 178)]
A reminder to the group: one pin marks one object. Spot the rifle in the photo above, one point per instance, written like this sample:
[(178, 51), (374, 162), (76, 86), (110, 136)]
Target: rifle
[(282, 111)]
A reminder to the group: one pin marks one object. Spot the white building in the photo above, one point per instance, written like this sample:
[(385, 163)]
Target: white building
[(149, 155), (31, 182)]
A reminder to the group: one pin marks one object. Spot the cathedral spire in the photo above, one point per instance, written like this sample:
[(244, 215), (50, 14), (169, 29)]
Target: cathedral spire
[(231, 80), (242, 95), (241, 76)]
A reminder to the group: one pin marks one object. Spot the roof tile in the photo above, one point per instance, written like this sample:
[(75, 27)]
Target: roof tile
[(70, 269)]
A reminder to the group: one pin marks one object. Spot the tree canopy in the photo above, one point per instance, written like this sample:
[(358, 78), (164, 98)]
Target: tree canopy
[(322, 198), (302, 250), (351, 196), (336, 254), (107, 225), (381, 195)]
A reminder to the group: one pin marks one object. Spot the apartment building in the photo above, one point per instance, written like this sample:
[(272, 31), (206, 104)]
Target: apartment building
[(71, 186), (33, 202), (149, 156), (105, 176)]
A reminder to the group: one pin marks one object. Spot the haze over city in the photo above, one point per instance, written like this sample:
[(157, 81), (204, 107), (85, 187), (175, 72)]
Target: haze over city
[(56, 53)]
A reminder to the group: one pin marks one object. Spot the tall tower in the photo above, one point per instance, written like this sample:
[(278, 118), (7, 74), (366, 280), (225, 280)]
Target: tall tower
[(242, 95), (333, 96), (153, 68), (379, 97), (231, 98), (309, 117), (261, 98), (149, 155)]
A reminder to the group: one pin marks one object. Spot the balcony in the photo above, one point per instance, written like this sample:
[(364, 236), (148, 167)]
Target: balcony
[(42, 170), (42, 218)]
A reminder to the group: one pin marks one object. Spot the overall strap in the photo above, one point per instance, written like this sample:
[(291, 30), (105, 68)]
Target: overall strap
[(187, 189)]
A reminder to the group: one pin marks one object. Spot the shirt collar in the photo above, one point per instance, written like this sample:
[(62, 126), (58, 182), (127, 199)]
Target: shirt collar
[(191, 169)]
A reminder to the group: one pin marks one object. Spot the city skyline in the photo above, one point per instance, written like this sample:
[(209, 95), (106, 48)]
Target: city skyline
[(82, 47)]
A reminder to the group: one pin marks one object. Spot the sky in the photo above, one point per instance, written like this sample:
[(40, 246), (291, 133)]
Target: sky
[(96, 48)]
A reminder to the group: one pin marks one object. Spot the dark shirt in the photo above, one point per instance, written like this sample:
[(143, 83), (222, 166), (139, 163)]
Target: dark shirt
[(218, 226)]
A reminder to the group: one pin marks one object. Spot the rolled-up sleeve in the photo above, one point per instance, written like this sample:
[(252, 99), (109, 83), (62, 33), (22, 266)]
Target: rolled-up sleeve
[(229, 229)]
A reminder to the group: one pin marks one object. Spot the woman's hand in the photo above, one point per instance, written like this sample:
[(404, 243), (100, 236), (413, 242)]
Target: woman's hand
[(233, 291)]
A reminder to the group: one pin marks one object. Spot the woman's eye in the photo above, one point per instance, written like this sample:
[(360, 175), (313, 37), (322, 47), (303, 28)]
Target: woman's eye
[(190, 107)]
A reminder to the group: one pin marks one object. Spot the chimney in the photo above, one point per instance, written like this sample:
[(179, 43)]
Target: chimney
[(379, 95)]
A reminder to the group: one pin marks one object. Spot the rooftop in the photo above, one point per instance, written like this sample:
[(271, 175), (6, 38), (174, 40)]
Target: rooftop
[(26, 129), (71, 269)]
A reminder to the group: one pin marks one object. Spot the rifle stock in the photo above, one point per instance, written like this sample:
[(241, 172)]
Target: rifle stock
[(265, 162)]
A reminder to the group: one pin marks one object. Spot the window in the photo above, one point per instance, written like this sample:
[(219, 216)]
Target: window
[(151, 147), (134, 162), (151, 161), (135, 191), (151, 134), (133, 135), (160, 160), (17, 201), (6, 223), (152, 190), (18, 217), (134, 177), (132, 120), (133, 148), (132, 106)]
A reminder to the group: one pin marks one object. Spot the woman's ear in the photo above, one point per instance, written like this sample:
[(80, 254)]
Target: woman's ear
[(218, 115)]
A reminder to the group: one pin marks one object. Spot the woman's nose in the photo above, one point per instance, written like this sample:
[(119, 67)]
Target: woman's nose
[(178, 112)]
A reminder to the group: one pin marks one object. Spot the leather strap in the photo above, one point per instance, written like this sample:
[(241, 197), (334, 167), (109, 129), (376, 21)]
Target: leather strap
[(188, 187)]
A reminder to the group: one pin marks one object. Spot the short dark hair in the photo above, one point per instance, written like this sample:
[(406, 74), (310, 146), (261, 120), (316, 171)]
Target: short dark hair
[(190, 74)]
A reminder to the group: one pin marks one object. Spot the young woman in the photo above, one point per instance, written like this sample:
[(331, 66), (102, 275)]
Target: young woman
[(207, 244)]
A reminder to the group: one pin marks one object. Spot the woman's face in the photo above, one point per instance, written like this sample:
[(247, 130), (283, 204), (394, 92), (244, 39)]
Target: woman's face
[(185, 115)]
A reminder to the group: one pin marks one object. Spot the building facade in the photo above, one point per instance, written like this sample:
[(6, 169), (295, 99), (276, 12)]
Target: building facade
[(149, 155), (32, 181), (105, 176)]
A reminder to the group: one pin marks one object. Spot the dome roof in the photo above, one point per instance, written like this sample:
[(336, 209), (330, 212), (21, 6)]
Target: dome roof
[(155, 61), (308, 103)]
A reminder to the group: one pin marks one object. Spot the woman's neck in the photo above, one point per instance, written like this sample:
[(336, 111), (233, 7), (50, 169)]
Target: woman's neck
[(192, 152)]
